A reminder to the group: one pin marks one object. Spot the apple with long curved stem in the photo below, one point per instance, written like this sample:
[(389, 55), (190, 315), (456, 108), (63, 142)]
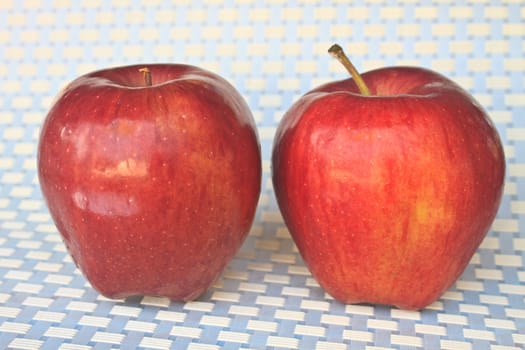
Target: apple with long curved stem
[(152, 175), (388, 182)]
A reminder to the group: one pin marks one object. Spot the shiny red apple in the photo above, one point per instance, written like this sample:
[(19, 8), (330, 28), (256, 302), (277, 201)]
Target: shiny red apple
[(388, 184), (152, 175)]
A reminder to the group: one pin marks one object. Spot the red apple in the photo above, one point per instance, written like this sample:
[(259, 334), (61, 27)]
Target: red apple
[(388, 195), (152, 175)]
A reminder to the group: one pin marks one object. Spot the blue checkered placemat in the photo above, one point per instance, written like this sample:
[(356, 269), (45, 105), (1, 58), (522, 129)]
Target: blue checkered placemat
[(272, 52)]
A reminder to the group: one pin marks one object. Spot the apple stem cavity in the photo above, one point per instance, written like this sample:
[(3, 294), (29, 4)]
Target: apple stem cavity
[(147, 75), (337, 51)]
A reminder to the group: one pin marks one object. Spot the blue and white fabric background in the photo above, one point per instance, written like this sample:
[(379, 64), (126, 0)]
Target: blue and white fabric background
[(272, 52)]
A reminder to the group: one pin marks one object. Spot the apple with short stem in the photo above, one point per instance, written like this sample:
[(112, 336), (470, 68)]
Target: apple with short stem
[(152, 175)]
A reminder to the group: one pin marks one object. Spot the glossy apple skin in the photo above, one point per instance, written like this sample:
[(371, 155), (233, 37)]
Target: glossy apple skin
[(153, 188), (387, 197)]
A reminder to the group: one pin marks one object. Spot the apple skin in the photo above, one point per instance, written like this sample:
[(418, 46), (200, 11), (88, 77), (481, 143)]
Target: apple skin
[(388, 196), (153, 188)]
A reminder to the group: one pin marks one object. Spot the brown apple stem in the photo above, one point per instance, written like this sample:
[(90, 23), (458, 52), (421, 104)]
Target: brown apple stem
[(147, 75), (337, 51)]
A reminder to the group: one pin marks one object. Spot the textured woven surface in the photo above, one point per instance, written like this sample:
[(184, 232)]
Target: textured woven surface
[(272, 53)]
